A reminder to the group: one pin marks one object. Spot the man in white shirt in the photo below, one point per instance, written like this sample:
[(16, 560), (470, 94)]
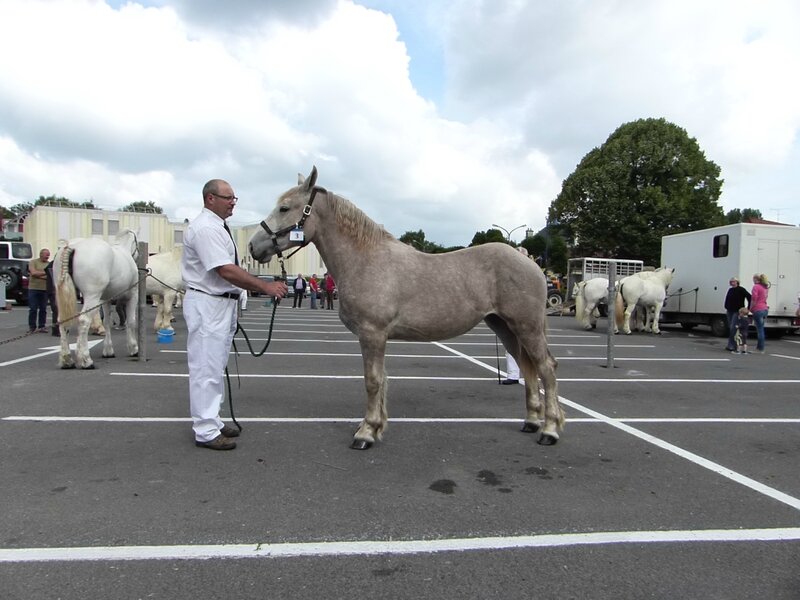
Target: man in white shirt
[(214, 281)]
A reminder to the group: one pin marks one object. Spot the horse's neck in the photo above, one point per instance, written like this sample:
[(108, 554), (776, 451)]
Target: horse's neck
[(338, 249)]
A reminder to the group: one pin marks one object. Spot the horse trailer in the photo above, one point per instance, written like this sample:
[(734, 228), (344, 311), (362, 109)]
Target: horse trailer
[(705, 261), (584, 269)]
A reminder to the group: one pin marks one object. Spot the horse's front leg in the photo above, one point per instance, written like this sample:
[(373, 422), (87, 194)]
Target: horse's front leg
[(373, 351), (108, 345)]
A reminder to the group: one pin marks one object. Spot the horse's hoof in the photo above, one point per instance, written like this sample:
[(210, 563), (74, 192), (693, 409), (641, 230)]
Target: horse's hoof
[(88, 368), (361, 445), (547, 440), (134, 355), (67, 366), (528, 427)]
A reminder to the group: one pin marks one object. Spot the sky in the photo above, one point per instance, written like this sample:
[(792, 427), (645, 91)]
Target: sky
[(446, 116)]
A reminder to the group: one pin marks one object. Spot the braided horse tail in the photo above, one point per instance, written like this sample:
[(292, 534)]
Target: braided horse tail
[(66, 296)]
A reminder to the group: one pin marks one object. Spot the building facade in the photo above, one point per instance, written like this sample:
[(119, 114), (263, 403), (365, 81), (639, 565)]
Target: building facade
[(47, 226)]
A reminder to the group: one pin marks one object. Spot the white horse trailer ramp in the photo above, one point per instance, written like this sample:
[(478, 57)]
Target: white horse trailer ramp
[(676, 474)]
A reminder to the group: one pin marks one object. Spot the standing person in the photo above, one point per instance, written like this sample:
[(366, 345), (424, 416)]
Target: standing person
[(214, 280), (313, 284), (759, 307), (299, 291), (512, 371), (742, 325), (51, 298), (37, 293), (735, 299), (330, 286)]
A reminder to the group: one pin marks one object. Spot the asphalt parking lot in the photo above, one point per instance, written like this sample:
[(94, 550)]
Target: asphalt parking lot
[(676, 475)]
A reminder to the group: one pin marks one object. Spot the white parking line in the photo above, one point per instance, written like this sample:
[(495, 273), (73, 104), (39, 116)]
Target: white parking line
[(381, 547), (48, 350)]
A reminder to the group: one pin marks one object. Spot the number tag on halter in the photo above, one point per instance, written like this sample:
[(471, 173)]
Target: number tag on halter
[(296, 235)]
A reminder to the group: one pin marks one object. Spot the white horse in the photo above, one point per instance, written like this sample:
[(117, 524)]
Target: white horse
[(165, 284), (588, 294), (101, 271), (645, 291)]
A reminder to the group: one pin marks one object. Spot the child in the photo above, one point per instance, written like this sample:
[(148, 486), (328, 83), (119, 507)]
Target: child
[(742, 325)]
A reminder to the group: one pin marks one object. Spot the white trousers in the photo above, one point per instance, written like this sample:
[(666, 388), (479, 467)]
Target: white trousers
[(211, 322), (512, 368)]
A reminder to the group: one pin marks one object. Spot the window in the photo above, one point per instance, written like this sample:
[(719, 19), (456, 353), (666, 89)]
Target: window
[(178, 237), (113, 228), (97, 226), (721, 244)]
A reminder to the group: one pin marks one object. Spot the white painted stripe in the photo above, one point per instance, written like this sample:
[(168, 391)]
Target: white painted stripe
[(355, 341), (49, 350), (785, 356), (412, 420), (395, 547), (690, 456), (493, 369), (449, 356)]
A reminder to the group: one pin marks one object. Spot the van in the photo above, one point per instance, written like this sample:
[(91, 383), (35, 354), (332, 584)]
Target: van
[(14, 259)]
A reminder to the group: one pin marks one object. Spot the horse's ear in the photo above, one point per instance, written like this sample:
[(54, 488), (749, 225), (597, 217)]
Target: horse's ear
[(300, 179), (312, 179)]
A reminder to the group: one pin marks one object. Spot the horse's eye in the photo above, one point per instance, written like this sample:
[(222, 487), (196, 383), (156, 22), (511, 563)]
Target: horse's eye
[(284, 209)]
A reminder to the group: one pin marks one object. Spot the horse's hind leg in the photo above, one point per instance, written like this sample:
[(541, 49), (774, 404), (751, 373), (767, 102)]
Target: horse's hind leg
[(373, 351), (534, 417), (65, 360), (108, 345), (82, 357), (541, 362), (130, 324)]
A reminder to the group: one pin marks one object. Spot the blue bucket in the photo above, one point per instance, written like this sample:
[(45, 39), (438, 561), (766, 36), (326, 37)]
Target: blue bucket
[(165, 336)]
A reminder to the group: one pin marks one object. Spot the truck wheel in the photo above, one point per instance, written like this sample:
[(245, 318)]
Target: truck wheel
[(554, 300), (719, 326), (10, 278)]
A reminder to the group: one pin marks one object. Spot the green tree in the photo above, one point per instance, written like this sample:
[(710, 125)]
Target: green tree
[(490, 235), (418, 241), (549, 249), (6, 213), (738, 215), (648, 179), (142, 206)]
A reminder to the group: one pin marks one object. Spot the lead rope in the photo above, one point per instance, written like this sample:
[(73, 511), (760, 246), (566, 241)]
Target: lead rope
[(275, 302)]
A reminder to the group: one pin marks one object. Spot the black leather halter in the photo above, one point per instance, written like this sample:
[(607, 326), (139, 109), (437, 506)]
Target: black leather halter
[(299, 225)]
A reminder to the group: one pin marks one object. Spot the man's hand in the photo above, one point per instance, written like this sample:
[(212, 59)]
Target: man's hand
[(276, 289)]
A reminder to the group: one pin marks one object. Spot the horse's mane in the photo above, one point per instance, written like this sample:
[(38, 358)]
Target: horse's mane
[(355, 224)]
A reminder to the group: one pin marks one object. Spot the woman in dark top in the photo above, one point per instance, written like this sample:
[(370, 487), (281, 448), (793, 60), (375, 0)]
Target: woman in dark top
[(735, 299)]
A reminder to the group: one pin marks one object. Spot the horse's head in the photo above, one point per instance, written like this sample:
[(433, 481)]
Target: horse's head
[(578, 287), (288, 224), (666, 274), (126, 239)]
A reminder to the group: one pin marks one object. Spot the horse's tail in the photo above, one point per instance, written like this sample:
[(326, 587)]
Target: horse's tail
[(619, 308), (580, 303), (66, 296)]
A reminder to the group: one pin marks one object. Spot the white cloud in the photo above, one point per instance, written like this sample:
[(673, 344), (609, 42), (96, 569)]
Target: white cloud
[(131, 102)]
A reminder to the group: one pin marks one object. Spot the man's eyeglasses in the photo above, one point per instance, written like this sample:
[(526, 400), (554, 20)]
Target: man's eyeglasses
[(233, 199)]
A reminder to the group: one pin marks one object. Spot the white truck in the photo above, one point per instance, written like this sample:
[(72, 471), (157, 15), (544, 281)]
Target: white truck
[(705, 261)]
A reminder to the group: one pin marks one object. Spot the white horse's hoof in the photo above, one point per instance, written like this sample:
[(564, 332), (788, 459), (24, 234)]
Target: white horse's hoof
[(361, 444), (530, 427), (547, 439)]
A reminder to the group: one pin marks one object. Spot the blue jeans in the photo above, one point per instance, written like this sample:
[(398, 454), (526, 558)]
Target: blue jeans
[(759, 317), (732, 318), (37, 307)]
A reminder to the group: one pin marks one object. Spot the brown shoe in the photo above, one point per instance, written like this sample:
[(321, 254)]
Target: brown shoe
[(218, 443), (229, 431)]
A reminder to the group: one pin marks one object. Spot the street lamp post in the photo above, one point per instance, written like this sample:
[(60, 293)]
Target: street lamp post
[(508, 233)]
